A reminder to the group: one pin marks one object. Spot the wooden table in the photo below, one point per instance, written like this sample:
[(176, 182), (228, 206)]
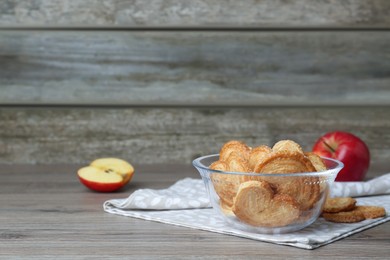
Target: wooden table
[(46, 212)]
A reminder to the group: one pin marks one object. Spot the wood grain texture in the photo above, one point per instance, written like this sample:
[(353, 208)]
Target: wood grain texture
[(171, 135), (203, 13), (53, 216), (195, 68)]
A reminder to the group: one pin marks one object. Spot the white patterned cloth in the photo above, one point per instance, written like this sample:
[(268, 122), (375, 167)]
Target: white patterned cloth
[(184, 194), (186, 204), (377, 186)]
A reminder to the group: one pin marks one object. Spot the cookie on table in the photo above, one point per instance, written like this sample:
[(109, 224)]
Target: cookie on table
[(339, 204), (371, 212), (352, 216)]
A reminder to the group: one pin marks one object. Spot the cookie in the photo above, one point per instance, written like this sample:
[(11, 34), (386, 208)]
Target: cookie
[(352, 216), (257, 154), (339, 204), (219, 166), (236, 147), (370, 212), (237, 163), (257, 205), (317, 162), (287, 145), (305, 190), (225, 185), (285, 162), (225, 208)]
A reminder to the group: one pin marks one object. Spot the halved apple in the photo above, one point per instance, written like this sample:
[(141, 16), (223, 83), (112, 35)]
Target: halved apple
[(117, 165), (106, 174)]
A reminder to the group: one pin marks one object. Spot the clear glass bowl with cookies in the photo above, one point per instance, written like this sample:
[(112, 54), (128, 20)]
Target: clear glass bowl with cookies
[(267, 190)]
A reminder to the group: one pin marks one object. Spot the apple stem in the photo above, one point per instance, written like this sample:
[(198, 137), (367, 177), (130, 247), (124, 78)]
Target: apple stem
[(330, 147)]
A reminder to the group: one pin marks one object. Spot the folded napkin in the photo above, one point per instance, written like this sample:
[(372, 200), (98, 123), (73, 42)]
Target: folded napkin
[(184, 194), (186, 204), (377, 186)]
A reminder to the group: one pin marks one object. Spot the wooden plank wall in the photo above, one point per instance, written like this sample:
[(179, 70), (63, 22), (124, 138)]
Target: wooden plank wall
[(195, 67), (165, 81), (196, 13)]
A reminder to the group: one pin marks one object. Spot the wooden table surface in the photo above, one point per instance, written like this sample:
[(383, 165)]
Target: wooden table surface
[(46, 212)]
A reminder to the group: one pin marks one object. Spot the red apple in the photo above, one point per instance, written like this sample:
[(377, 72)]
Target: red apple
[(106, 174), (347, 148)]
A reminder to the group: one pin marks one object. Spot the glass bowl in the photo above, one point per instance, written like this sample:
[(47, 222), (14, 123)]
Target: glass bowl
[(267, 203)]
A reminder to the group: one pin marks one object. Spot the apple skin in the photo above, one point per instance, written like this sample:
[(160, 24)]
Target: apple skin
[(101, 187), (106, 174), (347, 148)]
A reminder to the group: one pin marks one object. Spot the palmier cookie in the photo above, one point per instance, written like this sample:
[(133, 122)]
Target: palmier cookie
[(236, 147), (317, 162), (224, 184), (257, 205), (225, 208), (320, 166), (219, 166), (339, 204), (257, 154), (371, 212), (287, 145), (305, 190), (344, 216), (236, 163), (285, 162)]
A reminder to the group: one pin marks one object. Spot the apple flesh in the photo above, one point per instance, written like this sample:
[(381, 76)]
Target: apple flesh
[(347, 148), (106, 174), (117, 165)]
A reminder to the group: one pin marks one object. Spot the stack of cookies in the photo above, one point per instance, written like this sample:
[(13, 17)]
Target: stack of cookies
[(267, 201), (344, 210)]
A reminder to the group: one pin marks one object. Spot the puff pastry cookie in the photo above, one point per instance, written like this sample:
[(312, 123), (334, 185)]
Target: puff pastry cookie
[(234, 147), (344, 217), (258, 205), (334, 205), (225, 185), (317, 162), (287, 145), (305, 190), (258, 154)]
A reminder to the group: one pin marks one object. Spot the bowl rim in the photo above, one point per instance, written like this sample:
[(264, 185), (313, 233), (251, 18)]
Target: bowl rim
[(333, 171)]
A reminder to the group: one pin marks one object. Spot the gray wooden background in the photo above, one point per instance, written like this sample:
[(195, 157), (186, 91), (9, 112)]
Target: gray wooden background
[(166, 81)]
